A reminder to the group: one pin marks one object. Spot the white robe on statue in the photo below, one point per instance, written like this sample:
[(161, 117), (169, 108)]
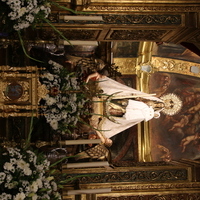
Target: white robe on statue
[(136, 111)]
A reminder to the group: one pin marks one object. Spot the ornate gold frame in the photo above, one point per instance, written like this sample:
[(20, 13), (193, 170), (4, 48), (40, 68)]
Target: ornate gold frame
[(26, 104)]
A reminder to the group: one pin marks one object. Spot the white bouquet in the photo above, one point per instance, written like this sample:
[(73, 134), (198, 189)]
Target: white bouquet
[(24, 175)]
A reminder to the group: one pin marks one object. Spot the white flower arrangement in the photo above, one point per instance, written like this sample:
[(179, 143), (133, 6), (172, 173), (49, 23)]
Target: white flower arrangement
[(66, 101), (24, 175), (22, 13)]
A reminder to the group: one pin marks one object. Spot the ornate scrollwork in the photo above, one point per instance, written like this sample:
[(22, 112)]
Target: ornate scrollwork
[(54, 17), (142, 19), (81, 34), (143, 8), (136, 176), (132, 19), (47, 34), (191, 196), (137, 34), (154, 186), (175, 66)]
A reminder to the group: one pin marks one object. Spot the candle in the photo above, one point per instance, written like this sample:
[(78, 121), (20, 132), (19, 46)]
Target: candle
[(81, 18), (89, 191), (78, 42), (87, 164), (76, 142)]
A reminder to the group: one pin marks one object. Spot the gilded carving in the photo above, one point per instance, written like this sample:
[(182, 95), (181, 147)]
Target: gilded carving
[(54, 17), (126, 65), (175, 66), (137, 34), (41, 91), (143, 8), (20, 91), (135, 176), (80, 34), (180, 196), (154, 186), (48, 34), (142, 19), (132, 19)]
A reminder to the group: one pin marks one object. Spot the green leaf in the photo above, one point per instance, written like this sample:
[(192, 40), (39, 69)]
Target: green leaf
[(27, 143), (60, 186), (56, 30), (68, 9), (59, 161), (24, 50)]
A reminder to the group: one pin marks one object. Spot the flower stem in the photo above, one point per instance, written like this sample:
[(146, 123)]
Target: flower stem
[(24, 50), (56, 30), (68, 9)]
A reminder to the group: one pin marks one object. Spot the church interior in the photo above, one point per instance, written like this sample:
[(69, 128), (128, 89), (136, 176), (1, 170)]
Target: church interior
[(149, 45)]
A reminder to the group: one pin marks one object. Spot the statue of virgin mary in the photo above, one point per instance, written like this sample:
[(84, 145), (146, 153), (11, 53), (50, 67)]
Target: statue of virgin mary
[(123, 107)]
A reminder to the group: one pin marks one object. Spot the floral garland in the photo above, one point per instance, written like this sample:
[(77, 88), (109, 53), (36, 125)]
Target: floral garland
[(66, 101), (23, 176)]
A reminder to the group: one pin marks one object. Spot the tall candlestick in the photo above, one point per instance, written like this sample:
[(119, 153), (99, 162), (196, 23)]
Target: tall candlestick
[(81, 18), (87, 164), (78, 42), (76, 142), (89, 191)]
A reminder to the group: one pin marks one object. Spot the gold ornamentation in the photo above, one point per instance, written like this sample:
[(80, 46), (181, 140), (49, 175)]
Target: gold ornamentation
[(137, 34), (142, 19), (42, 91), (126, 65), (154, 186), (175, 66), (20, 91), (173, 104), (99, 152), (142, 8)]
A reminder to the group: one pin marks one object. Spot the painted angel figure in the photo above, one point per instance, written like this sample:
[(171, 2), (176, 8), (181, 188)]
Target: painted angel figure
[(124, 107)]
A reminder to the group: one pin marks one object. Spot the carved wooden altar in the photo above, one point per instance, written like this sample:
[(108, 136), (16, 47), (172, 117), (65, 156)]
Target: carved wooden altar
[(142, 181), (168, 21), (140, 20)]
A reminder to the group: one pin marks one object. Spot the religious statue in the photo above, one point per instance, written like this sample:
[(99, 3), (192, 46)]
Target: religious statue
[(125, 107)]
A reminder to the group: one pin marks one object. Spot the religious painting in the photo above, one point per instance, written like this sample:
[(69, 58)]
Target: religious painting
[(175, 51), (177, 136)]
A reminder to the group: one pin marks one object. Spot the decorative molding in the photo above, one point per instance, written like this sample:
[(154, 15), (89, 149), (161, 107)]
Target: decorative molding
[(129, 19), (191, 196), (174, 66), (134, 176), (167, 186), (126, 65), (80, 34), (143, 19), (146, 8), (137, 34), (20, 91)]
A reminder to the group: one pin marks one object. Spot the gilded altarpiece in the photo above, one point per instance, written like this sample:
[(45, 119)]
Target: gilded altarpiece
[(20, 91)]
